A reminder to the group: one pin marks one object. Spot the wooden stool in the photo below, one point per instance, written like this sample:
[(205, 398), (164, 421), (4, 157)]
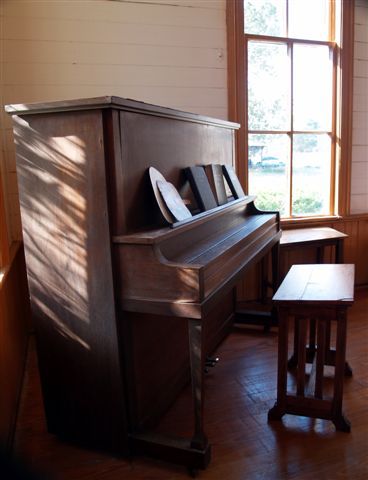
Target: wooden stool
[(318, 238), (321, 293)]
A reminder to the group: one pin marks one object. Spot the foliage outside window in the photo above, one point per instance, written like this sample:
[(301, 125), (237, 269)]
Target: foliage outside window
[(291, 96)]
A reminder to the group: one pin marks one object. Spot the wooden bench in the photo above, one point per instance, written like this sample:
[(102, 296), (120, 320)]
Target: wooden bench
[(319, 293)]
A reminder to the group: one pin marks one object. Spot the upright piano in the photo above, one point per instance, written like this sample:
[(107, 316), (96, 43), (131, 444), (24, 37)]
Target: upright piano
[(125, 306)]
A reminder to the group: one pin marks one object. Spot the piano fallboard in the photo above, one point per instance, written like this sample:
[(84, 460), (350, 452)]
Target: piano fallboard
[(183, 270)]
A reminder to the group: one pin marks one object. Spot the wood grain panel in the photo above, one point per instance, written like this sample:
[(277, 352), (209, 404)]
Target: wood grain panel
[(362, 253), (330, 284), (351, 242)]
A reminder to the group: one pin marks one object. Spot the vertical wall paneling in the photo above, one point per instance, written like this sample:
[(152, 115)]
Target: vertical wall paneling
[(359, 169)]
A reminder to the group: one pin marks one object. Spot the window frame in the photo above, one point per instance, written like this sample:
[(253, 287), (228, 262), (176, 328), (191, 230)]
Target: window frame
[(342, 106)]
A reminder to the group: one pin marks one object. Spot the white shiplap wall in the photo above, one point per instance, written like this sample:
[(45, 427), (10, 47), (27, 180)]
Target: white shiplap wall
[(166, 52), (359, 171)]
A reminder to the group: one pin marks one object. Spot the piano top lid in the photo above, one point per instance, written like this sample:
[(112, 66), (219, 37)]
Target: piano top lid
[(118, 103)]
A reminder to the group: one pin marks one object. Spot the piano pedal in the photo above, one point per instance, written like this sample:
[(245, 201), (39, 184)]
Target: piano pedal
[(210, 362)]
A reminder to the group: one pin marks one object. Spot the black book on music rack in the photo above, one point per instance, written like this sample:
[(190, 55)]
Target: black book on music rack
[(201, 188), (216, 179), (233, 181)]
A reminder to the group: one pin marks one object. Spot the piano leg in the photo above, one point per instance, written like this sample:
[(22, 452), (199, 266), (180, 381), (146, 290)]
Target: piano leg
[(199, 440)]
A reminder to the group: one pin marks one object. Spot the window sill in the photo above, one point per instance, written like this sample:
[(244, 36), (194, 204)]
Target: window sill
[(308, 221), (318, 221)]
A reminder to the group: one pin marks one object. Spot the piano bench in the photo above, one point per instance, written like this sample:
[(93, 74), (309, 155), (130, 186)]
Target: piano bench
[(315, 295)]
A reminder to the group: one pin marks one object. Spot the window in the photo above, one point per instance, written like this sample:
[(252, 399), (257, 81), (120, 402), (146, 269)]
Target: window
[(288, 63)]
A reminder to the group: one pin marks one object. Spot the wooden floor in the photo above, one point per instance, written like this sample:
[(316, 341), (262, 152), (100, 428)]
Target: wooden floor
[(239, 392)]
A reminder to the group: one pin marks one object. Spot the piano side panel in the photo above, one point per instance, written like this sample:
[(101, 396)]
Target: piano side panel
[(62, 186), (169, 145)]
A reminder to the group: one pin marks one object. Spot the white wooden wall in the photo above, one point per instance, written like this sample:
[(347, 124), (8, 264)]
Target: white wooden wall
[(166, 52), (359, 173)]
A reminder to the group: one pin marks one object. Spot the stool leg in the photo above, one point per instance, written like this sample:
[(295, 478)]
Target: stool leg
[(278, 410), (340, 421)]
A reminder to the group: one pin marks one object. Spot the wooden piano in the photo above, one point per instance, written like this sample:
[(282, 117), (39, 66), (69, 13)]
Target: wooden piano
[(125, 306)]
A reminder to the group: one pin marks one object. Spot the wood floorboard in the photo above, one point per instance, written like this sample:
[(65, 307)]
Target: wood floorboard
[(239, 392)]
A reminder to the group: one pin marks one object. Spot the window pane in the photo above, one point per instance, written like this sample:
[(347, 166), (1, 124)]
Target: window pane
[(268, 86), (269, 171), (309, 19), (265, 17), (311, 174), (312, 88)]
